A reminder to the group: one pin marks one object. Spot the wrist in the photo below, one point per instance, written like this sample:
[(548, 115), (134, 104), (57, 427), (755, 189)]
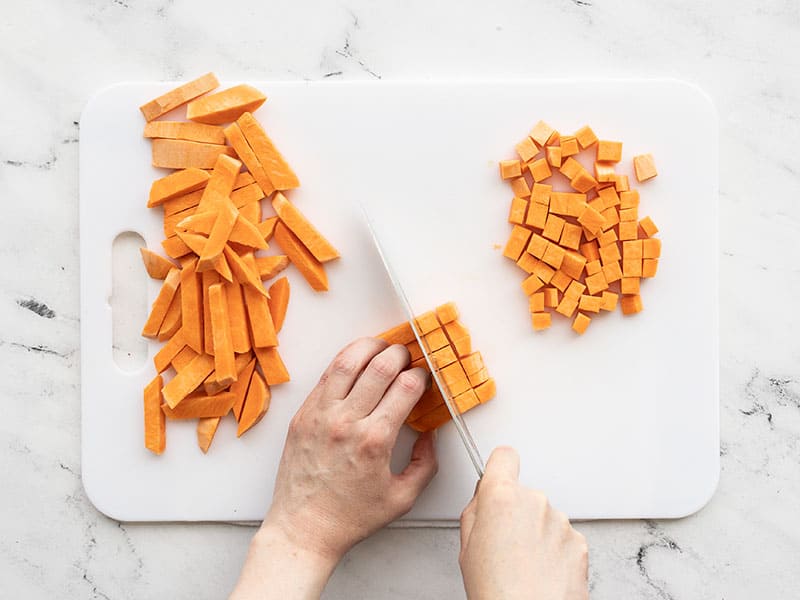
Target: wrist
[(274, 536)]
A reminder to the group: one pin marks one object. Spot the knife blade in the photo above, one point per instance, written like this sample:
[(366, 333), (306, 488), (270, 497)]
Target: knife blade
[(461, 426)]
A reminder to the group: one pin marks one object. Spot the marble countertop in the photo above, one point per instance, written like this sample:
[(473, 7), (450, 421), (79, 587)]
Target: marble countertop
[(744, 544)]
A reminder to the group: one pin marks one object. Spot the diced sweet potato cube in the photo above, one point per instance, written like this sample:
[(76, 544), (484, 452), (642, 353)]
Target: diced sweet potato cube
[(399, 334), (486, 390), (583, 181), (539, 170), (576, 204), (612, 271), (447, 313), (520, 187), (574, 290), (585, 136), (597, 204), (536, 302), (466, 400), (645, 167), (553, 154), (593, 266), (517, 211), (649, 267), (596, 283), (651, 248), (621, 184), (550, 297), (541, 132), (478, 377), (580, 323), (526, 149), (509, 169), (427, 322), (443, 357), (414, 351), (571, 236), (610, 217), (435, 340), (554, 255), (609, 196), (516, 242), (472, 363), (607, 238), (591, 220), (553, 227), (604, 172), (629, 199), (570, 168), (527, 262), (543, 271), (537, 245), (569, 145), (561, 280), (590, 303), (628, 214), (628, 230), (632, 267), (454, 378), (553, 139), (531, 284), (541, 320), (590, 250), (608, 151), (632, 249), (558, 203), (537, 215), (609, 301), (567, 306), (629, 285), (540, 192), (631, 304), (573, 264), (648, 227)]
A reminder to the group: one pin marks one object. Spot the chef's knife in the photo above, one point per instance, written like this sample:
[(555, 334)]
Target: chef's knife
[(458, 421)]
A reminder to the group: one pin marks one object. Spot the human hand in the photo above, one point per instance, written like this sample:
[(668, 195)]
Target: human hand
[(514, 544), (334, 486)]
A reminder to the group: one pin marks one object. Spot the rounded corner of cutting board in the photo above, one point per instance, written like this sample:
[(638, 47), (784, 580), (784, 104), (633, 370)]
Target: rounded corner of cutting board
[(96, 496)]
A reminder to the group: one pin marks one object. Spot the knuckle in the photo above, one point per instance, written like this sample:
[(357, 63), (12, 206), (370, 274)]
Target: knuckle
[(410, 383), (374, 443), (343, 364), (383, 366), (338, 432), (405, 502)]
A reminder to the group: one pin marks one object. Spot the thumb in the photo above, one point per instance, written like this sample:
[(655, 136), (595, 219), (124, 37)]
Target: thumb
[(503, 465), (421, 468)]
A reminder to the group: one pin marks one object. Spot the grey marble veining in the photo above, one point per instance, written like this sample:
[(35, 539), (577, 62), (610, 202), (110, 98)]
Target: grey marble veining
[(744, 544)]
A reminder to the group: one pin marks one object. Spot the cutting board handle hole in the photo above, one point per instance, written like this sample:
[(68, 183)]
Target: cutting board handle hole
[(129, 285)]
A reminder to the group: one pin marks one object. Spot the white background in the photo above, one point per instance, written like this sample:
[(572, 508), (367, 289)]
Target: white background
[(744, 544)]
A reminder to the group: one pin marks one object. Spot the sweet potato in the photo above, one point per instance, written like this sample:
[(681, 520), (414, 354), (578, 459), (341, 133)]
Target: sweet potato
[(225, 106), (156, 266), (269, 266), (155, 434), (277, 169), (255, 405), (279, 301), (176, 184), (188, 379), (294, 220), (181, 154), (201, 405), (311, 269), (240, 387), (206, 429), (221, 332), (180, 95), (162, 303), (181, 130), (243, 271), (236, 139), (272, 365)]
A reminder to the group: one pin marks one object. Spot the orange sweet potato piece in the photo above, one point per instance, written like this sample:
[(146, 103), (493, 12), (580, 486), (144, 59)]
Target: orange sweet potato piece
[(191, 306), (188, 379), (162, 303), (155, 434), (247, 195), (218, 238), (240, 334), (267, 228), (244, 271), (201, 405), (182, 154), (262, 329), (181, 130), (269, 266), (182, 203), (172, 320), (272, 365), (240, 387), (206, 429), (399, 334), (472, 363), (220, 185), (180, 95), (294, 220), (312, 270), (279, 302), (276, 167), (432, 420), (221, 332), (256, 404), (235, 137), (164, 356), (156, 265), (252, 212), (225, 106), (486, 391), (176, 184), (644, 166), (183, 358)]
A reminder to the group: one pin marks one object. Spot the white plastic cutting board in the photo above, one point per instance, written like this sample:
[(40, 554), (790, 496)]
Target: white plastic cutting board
[(622, 422)]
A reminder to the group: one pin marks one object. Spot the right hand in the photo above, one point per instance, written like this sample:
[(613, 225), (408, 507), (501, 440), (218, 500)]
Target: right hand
[(515, 545)]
